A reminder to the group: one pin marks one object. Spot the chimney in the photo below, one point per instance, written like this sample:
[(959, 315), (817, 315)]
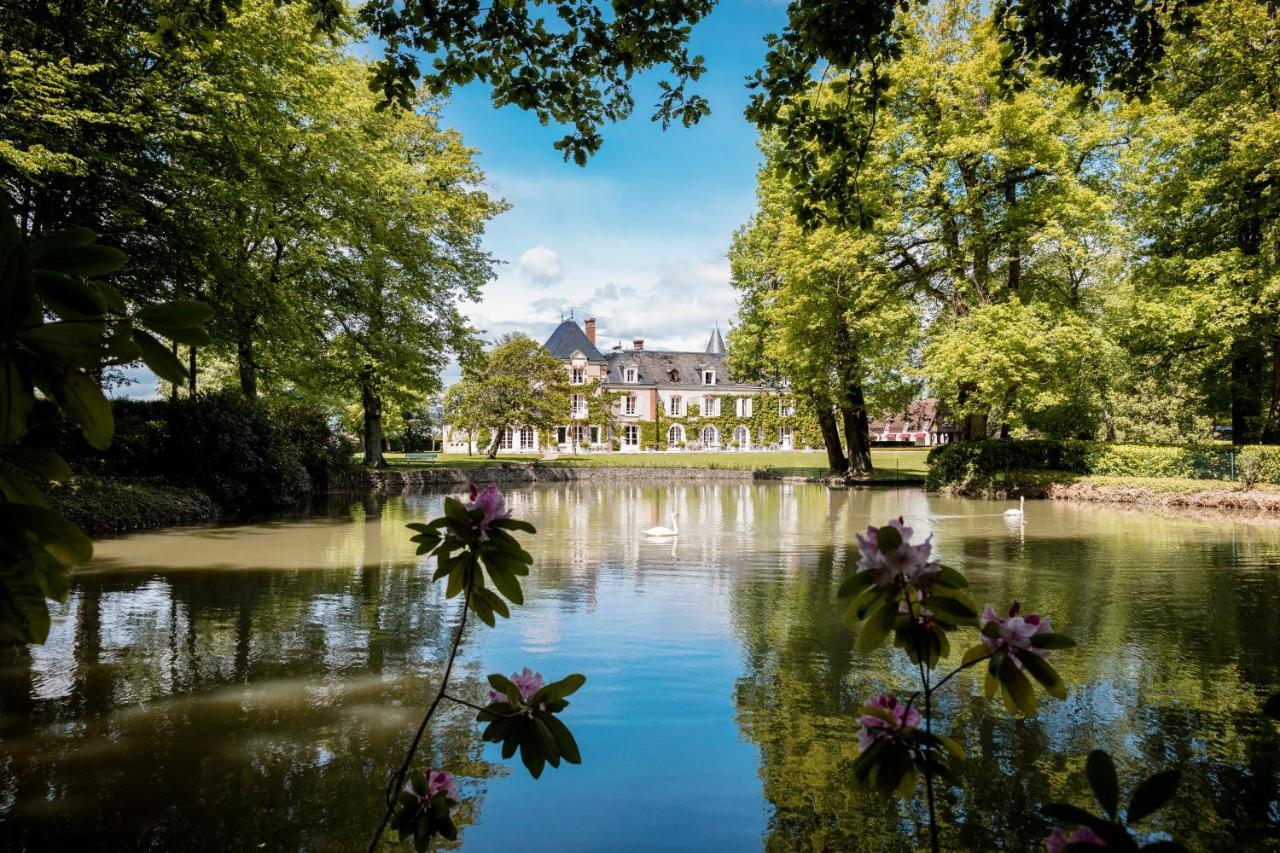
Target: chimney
[(591, 330), (638, 344)]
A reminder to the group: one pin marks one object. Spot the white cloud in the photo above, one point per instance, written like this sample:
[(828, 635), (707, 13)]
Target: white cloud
[(541, 264)]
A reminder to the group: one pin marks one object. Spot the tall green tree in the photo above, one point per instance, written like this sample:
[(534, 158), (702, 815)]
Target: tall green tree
[(519, 385)]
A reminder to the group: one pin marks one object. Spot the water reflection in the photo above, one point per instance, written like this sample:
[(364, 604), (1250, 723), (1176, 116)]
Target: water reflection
[(254, 683)]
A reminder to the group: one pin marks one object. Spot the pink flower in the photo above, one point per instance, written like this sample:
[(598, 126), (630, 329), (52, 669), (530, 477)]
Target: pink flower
[(439, 780), (1016, 631), (874, 727), (1057, 842), (491, 503), (527, 682), (908, 562)]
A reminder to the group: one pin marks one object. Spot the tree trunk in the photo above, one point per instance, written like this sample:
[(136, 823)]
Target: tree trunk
[(191, 370), (855, 432), (1247, 369), (371, 399), (492, 452), (244, 361), (836, 460)]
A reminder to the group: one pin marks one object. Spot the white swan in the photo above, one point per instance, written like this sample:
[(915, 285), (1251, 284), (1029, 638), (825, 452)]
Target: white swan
[(673, 530), (1016, 513)]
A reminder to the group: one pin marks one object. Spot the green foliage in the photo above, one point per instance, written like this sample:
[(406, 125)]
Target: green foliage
[(965, 461), (1151, 795), (60, 326), (531, 726), (103, 506)]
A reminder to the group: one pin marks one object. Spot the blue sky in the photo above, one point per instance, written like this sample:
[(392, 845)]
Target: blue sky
[(638, 237)]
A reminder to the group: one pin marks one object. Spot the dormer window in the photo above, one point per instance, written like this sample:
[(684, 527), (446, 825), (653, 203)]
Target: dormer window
[(629, 375), (708, 377), (673, 375)]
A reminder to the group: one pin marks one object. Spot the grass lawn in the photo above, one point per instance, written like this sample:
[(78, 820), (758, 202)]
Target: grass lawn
[(890, 463)]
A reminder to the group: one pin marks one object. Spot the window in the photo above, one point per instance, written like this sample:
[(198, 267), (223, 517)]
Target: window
[(784, 408), (631, 435), (578, 376), (595, 435), (580, 434), (562, 435), (506, 439), (629, 375), (784, 438), (744, 407), (710, 406), (673, 375), (675, 406), (577, 406), (710, 436), (742, 436), (708, 377), (675, 436), (527, 438), (629, 405)]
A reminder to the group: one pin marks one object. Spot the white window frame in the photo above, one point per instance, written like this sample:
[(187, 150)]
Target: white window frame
[(715, 433), (785, 409), (786, 437), (528, 438), (506, 438), (672, 432), (578, 376), (629, 405), (631, 435), (744, 407), (630, 375), (675, 406), (708, 377), (710, 406), (742, 435), (577, 406)]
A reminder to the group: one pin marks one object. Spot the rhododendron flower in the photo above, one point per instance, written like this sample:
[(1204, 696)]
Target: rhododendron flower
[(527, 682), (1058, 841), (908, 561), (490, 501), (438, 782), (874, 727), (1015, 630)]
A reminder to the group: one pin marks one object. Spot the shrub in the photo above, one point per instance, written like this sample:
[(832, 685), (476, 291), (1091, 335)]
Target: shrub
[(247, 454), (1258, 464), (963, 462)]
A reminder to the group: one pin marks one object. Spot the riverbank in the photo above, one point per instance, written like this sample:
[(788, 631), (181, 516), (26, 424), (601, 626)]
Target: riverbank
[(1141, 491), (103, 506)]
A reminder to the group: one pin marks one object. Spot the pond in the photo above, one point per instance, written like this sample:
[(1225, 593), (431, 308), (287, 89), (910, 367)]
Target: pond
[(250, 687)]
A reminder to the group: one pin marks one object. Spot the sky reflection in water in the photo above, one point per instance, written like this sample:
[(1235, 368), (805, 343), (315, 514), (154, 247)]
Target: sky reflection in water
[(249, 687)]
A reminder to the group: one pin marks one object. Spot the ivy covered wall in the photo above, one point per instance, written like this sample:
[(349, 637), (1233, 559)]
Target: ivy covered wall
[(764, 422)]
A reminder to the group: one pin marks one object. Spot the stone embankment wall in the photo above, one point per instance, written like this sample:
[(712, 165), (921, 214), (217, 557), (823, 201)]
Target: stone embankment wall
[(433, 479)]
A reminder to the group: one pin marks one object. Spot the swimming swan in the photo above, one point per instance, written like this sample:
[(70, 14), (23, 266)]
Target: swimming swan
[(1016, 513), (673, 530)]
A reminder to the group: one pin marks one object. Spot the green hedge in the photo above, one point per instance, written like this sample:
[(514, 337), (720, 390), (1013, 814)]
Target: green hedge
[(963, 463), (246, 454), (101, 506)]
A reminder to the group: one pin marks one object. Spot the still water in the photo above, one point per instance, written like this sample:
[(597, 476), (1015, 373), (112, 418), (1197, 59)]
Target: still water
[(249, 687)]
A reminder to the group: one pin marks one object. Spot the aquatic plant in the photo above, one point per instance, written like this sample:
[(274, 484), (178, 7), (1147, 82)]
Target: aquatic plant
[(899, 589), (473, 541)]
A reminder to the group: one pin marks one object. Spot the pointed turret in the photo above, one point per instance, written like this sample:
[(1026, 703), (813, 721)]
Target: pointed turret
[(715, 346)]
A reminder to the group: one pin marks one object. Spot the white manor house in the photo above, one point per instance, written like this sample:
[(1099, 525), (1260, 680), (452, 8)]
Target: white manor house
[(657, 400)]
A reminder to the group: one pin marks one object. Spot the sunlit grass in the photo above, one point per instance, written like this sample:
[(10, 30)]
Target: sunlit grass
[(889, 463)]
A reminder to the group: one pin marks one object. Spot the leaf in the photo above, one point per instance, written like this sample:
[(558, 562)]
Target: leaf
[(547, 740), (505, 581), (888, 539), (877, 627), (1101, 772), (1272, 707), (514, 524), (1067, 813), (1052, 641), (505, 686), (80, 344), (949, 577), (975, 653), (159, 358), (46, 529), (16, 292), (69, 298), (564, 739), (957, 609), (854, 584), (84, 260), (1016, 690), (43, 463), (24, 616), (1044, 673), (951, 745), (1152, 795), (16, 400), (85, 404), (565, 687), (481, 608), (178, 314), (18, 489), (63, 239)]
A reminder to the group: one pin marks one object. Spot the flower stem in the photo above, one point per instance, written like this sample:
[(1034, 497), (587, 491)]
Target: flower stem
[(928, 719), (397, 781)]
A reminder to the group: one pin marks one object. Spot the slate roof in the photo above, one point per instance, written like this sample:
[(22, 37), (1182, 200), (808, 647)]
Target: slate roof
[(655, 369), (716, 344), (569, 338)]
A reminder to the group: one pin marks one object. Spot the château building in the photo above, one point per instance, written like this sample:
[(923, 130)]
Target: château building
[(636, 398)]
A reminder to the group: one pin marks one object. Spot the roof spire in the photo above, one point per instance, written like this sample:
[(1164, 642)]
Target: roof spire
[(715, 346)]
